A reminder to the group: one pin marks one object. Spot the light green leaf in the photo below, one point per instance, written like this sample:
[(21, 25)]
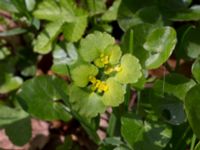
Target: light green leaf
[(131, 70), (47, 10), (160, 43), (96, 6), (30, 4), (114, 53), (22, 128), (73, 31), (80, 74), (112, 12), (87, 104), (44, 41), (10, 115), (9, 83), (196, 70), (143, 136), (192, 108), (191, 14), (115, 94), (40, 98), (94, 44)]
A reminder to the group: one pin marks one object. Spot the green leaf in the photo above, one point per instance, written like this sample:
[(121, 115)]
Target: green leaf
[(87, 104), (191, 14), (130, 13), (9, 83), (96, 7), (22, 128), (81, 74), (7, 6), (174, 84), (40, 98), (160, 43), (191, 43), (94, 44), (73, 31), (10, 115), (196, 70), (140, 34), (48, 10), (192, 108), (112, 12), (197, 147), (44, 41), (131, 70), (114, 53), (30, 4), (143, 136), (12, 32), (115, 94)]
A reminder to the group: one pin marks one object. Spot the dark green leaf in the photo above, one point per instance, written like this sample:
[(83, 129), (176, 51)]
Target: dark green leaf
[(143, 136), (196, 70), (192, 108), (12, 32), (19, 132), (42, 100), (160, 43)]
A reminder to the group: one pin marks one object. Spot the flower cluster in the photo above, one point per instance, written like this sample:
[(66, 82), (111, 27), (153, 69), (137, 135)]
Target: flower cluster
[(101, 74)]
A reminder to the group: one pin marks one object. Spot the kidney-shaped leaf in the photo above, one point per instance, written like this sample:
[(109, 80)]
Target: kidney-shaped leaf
[(160, 43), (42, 100)]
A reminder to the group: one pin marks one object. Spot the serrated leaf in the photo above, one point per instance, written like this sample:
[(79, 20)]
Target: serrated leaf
[(192, 108), (44, 41), (48, 10), (80, 74), (131, 70), (160, 43), (115, 94), (9, 83), (22, 128), (40, 98), (92, 46), (87, 104), (196, 70)]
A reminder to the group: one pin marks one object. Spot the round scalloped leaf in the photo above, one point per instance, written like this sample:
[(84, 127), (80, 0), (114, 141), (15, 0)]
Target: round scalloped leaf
[(160, 43), (88, 104), (114, 52), (115, 94), (39, 98), (80, 74), (92, 46), (131, 70), (192, 108)]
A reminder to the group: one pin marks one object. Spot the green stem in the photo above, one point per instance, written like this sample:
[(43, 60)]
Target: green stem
[(193, 142), (131, 42)]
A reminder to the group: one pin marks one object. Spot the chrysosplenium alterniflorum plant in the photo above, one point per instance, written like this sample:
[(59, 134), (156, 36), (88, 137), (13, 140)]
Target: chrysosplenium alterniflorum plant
[(101, 74)]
